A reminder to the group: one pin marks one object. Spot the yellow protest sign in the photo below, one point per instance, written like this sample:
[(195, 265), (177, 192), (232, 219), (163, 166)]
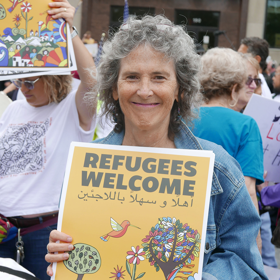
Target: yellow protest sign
[(135, 213)]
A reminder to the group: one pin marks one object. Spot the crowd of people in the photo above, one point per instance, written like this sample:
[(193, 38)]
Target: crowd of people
[(154, 91)]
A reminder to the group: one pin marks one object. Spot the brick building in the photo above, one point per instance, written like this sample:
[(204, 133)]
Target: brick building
[(239, 18), (204, 17)]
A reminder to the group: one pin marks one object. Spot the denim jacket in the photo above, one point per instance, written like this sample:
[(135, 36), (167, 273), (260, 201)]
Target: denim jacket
[(233, 223)]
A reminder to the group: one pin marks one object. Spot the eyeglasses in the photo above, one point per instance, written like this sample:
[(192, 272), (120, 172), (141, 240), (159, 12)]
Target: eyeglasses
[(27, 84), (250, 80)]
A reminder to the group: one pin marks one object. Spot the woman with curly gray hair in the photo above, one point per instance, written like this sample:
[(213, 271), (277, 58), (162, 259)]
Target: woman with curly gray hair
[(148, 82)]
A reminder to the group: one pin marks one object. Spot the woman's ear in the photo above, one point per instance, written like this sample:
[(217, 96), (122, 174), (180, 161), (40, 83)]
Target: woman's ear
[(258, 58), (234, 96), (178, 91), (115, 93)]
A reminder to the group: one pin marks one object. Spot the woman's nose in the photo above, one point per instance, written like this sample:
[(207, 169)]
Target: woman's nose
[(23, 88), (253, 84), (145, 90)]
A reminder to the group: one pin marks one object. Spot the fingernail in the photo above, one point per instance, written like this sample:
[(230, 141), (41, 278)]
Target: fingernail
[(65, 256), (69, 239), (70, 247), (265, 172)]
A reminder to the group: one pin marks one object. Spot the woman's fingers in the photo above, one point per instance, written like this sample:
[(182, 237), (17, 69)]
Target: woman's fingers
[(56, 235), (50, 258), (59, 247), (49, 270), (62, 9)]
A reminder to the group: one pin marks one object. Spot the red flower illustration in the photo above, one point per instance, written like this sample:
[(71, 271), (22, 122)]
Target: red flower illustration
[(26, 7), (118, 274), (135, 256)]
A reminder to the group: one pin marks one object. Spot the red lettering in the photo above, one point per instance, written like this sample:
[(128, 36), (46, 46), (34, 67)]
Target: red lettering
[(269, 132), (277, 137)]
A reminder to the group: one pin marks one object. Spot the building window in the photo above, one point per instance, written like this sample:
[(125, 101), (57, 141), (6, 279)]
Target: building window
[(200, 24), (272, 24), (116, 14)]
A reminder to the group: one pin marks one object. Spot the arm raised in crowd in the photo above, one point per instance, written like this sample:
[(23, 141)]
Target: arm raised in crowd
[(85, 63)]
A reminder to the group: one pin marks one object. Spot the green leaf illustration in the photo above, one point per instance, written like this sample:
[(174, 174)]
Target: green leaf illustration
[(140, 275), (128, 268), (30, 18)]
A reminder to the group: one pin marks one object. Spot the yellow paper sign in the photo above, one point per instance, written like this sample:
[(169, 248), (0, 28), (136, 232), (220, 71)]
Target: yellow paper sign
[(135, 213), (30, 39)]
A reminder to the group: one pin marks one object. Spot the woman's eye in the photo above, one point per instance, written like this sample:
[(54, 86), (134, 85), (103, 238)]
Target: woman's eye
[(159, 77), (132, 77)]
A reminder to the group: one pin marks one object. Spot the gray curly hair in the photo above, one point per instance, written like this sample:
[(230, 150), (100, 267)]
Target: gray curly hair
[(163, 36)]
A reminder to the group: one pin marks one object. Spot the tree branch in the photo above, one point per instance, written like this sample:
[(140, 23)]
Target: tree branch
[(174, 245), (157, 260)]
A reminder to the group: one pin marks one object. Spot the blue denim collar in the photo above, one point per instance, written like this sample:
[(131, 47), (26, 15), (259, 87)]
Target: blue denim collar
[(184, 139)]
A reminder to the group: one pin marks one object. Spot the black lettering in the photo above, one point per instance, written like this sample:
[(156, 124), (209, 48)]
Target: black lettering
[(105, 162), (188, 188), (137, 164), (116, 162), (109, 181), (277, 156), (145, 165), (91, 159), (146, 184), (131, 183), (165, 185), (120, 185), (163, 165), (188, 166), (175, 168), (266, 149), (95, 182)]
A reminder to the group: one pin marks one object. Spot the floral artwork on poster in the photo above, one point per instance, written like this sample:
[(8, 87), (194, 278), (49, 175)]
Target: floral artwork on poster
[(134, 214), (30, 38)]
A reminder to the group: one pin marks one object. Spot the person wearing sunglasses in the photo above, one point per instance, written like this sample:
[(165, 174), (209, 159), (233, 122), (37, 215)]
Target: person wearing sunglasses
[(252, 83), (35, 136), (224, 81)]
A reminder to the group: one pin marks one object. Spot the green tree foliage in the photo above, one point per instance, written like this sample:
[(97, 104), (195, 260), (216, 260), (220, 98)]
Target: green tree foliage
[(84, 259)]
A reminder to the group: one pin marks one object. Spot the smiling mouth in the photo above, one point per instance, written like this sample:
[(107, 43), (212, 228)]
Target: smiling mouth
[(27, 95), (146, 105)]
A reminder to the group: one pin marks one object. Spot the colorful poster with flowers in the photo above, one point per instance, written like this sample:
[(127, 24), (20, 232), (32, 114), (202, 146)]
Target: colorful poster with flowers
[(30, 39), (134, 212)]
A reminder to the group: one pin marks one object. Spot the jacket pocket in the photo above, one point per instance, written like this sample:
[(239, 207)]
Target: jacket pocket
[(211, 236)]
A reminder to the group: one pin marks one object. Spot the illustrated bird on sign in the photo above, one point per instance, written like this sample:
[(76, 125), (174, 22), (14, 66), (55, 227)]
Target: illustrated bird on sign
[(15, 3), (118, 230)]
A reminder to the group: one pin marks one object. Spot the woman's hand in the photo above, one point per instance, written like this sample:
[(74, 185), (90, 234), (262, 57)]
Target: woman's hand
[(263, 185), (62, 9), (54, 247)]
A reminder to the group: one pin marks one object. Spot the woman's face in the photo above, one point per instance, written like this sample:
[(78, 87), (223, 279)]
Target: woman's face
[(246, 92), (146, 89), (37, 96)]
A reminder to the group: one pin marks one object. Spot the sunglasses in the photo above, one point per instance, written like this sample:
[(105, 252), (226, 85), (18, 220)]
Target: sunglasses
[(27, 84), (250, 80)]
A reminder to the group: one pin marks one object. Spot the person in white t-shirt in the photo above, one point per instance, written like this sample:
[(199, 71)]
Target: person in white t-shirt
[(35, 135), (276, 84)]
